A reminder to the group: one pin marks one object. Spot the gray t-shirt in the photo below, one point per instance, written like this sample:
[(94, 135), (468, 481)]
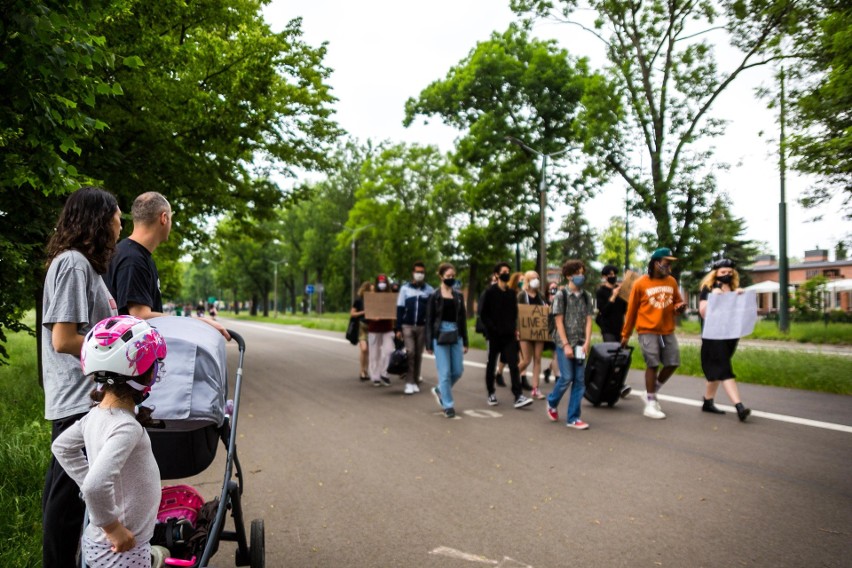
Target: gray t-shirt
[(574, 316), (73, 293), (119, 479)]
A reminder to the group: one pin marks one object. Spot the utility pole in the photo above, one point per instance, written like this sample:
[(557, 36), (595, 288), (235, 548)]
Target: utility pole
[(627, 229), (783, 275)]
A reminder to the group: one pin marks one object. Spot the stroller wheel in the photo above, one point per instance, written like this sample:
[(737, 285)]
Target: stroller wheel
[(257, 548)]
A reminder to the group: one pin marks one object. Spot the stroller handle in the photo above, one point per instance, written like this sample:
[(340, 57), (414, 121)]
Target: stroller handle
[(241, 343)]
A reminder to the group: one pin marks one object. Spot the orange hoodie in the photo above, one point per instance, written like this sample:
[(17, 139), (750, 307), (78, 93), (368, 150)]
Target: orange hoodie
[(651, 306)]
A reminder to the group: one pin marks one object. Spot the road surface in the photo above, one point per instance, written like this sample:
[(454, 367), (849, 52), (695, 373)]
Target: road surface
[(346, 474)]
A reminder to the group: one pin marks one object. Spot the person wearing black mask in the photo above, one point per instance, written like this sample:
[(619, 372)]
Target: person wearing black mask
[(499, 316), (611, 310), (716, 354)]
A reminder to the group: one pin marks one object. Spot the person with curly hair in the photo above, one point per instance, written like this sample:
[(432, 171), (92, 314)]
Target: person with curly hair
[(75, 298)]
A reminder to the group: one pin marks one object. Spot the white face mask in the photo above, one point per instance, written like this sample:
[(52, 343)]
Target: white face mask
[(419, 276), (534, 284), (382, 286)]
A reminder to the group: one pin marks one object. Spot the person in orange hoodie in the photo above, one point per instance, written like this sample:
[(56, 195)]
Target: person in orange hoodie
[(654, 300)]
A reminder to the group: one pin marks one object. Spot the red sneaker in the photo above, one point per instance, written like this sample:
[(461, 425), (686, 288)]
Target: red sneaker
[(578, 425), (552, 413)]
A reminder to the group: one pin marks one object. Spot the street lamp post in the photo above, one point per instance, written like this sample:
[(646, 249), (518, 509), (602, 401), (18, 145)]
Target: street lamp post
[(542, 197), (275, 286), (354, 246)]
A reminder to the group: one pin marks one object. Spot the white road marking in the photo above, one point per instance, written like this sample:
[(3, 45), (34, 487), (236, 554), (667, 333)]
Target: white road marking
[(675, 399), (459, 555)]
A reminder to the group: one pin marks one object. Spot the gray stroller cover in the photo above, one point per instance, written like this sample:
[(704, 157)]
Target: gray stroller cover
[(194, 382)]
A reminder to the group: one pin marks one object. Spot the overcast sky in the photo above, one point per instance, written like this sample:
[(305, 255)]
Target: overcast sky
[(385, 51)]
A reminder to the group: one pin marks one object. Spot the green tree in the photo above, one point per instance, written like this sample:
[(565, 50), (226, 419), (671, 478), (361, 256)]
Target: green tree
[(398, 207), (822, 141), (54, 69), (612, 245), (579, 241), (667, 77), (221, 105), (508, 87)]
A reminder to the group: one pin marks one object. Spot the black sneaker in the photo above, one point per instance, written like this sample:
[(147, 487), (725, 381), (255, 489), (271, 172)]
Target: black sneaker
[(547, 375), (522, 401), (386, 381), (364, 378), (492, 400), (450, 413), (743, 412)]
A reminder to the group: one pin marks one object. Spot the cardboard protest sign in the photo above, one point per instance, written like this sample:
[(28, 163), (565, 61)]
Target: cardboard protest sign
[(532, 322), (627, 284), (379, 305)]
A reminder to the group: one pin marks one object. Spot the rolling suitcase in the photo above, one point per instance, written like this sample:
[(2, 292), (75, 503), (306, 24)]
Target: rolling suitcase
[(606, 371)]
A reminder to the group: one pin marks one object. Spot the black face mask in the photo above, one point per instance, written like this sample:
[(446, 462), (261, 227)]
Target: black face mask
[(449, 282), (504, 277), (726, 279), (612, 279)]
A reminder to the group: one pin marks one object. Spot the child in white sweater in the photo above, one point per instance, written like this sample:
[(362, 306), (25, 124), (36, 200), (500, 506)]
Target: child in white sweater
[(117, 474)]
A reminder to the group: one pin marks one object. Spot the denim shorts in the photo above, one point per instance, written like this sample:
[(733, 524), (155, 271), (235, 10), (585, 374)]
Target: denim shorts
[(657, 349)]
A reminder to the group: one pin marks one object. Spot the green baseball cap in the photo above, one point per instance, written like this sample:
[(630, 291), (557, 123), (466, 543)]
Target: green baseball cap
[(663, 253)]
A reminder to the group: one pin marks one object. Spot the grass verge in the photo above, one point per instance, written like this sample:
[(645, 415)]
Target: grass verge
[(800, 332), (24, 453), (790, 369)]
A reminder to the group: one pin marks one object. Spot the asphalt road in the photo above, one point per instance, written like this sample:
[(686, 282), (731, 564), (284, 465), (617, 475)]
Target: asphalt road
[(345, 474)]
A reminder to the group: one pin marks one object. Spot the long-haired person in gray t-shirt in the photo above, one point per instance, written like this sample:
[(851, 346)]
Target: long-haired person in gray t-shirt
[(75, 299)]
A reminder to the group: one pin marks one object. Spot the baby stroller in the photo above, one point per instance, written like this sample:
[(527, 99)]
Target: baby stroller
[(190, 402)]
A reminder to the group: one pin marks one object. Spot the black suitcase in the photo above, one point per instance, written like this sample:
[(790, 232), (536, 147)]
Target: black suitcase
[(606, 371)]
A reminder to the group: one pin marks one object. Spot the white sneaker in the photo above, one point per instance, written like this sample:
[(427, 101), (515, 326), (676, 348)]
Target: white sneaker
[(409, 388), (415, 387), (652, 410)]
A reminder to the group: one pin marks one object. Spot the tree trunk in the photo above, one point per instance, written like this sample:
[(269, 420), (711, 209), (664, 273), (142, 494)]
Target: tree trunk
[(253, 308)]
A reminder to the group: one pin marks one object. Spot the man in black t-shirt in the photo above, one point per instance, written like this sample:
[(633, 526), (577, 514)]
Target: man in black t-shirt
[(132, 278)]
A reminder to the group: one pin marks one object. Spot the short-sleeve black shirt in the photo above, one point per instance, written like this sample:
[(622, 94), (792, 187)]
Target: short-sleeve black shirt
[(133, 277)]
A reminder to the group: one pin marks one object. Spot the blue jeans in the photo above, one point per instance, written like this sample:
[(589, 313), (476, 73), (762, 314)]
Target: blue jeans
[(570, 371), (449, 359)]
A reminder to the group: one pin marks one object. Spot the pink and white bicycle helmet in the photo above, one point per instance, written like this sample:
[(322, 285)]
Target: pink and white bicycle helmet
[(119, 348)]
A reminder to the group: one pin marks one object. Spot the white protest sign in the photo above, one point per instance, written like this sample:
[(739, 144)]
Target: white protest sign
[(730, 315)]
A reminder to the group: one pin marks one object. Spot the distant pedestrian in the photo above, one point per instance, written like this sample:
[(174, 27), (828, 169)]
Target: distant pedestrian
[(654, 300), (380, 340), (108, 452), (572, 316), (75, 298), (357, 311), (446, 336), (611, 310), (531, 350), (411, 322), (716, 354), (499, 314)]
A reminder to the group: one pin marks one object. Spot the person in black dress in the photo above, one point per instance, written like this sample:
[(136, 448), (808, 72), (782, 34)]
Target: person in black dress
[(716, 354)]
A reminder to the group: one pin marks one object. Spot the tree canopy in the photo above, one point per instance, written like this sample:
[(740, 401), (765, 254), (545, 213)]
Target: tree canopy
[(667, 77)]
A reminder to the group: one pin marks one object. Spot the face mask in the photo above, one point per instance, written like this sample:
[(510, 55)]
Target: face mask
[(449, 282), (534, 284), (553, 291), (382, 286), (504, 277), (612, 279), (578, 280), (726, 279), (419, 276)]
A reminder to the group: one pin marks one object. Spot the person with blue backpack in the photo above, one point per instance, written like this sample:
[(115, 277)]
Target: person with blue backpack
[(411, 322)]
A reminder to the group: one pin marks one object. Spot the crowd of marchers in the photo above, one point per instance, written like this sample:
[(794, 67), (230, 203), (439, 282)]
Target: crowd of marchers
[(435, 321)]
